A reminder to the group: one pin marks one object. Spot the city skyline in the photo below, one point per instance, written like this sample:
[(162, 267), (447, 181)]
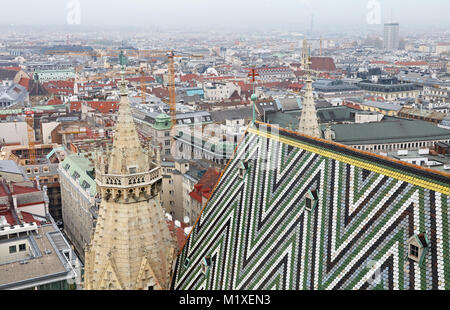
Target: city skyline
[(199, 15)]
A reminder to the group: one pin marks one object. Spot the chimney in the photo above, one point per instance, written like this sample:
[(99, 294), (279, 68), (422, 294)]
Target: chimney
[(16, 209), (38, 185)]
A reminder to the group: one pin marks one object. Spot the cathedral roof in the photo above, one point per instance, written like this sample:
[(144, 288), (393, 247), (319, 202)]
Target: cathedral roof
[(264, 230)]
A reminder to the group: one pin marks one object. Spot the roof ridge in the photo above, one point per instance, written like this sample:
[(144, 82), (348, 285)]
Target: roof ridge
[(361, 152)]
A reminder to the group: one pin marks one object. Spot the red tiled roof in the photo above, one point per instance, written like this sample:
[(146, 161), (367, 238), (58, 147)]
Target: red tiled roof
[(205, 185), (59, 84), (104, 106), (269, 69), (75, 106), (28, 218), (323, 64), (296, 86), (179, 232), (23, 189), (9, 217), (411, 63), (25, 82), (99, 106), (189, 77), (12, 68), (353, 106), (196, 196), (138, 79), (54, 101), (160, 92)]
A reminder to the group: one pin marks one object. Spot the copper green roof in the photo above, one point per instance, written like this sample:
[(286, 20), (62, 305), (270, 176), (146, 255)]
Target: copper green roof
[(162, 122), (265, 230), (84, 168)]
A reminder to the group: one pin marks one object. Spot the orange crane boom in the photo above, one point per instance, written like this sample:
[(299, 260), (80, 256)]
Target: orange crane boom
[(31, 139), (172, 93)]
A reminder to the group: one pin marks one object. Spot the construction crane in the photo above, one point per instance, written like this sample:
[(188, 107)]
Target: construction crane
[(321, 47), (29, 117), (143, 87), (170, 55)]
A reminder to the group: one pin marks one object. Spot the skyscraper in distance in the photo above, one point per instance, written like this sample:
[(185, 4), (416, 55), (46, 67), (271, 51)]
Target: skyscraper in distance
[(391, 39)]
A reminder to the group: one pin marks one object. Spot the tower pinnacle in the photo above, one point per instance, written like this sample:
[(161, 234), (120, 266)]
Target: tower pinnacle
[(309, 124), (131, 247)]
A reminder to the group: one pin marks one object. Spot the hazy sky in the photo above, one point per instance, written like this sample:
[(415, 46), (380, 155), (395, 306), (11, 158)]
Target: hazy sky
[(208, 14)]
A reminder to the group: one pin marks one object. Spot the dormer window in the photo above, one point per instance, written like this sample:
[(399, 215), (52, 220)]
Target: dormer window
[(186, 263), (206, 265), (418, 246), (75, 175), (312, 198), (243, 168)]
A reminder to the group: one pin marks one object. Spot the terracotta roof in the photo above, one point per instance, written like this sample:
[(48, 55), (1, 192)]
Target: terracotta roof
[(9, 217), (75, 106), (160, 92), (99, 106), (54, 101), (25, 82), (411, 63), (179, 232), (104, 106), (296, 86), (205, 185), (323, 64), (189, 77), (23, 189)]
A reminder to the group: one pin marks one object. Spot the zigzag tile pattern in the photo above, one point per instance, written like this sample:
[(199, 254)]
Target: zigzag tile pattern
[(259, 234)]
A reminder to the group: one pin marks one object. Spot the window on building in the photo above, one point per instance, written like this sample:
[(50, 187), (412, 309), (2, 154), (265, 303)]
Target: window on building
[(206, 265), (312, 199), (12, 249), (45, 169), (243, 168), (22, 247), (75, 175), (36, 170), (186, 262), (414, 251), (85, 185), (418, 247)]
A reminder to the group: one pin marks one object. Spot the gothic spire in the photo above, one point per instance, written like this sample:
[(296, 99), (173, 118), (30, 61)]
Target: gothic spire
[(309, 124)]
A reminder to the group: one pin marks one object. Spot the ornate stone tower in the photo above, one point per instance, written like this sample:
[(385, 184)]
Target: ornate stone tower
[(308, 125), (132, 247)]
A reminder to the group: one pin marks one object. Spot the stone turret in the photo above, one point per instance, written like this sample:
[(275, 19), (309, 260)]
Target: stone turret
[(132, 247)]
